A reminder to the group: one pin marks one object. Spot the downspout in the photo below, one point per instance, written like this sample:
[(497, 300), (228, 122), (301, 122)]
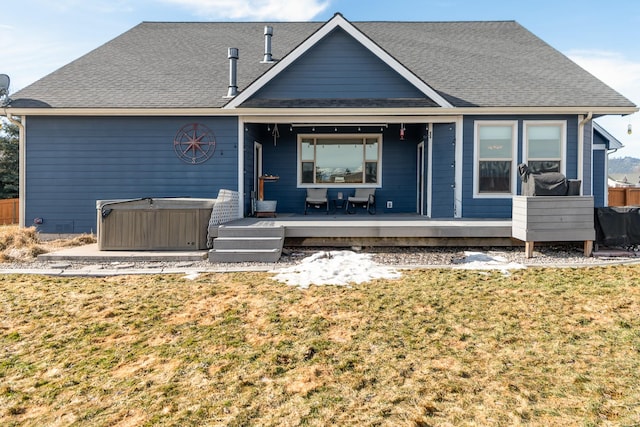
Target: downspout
[(21, 164), (581, 150)]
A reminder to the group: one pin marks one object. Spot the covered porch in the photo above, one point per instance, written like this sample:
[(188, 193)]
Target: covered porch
[(410, 161)]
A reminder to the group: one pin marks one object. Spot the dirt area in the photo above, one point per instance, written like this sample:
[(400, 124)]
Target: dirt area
[(25, 244)]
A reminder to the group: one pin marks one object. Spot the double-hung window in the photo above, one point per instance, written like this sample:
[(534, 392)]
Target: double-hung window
[(545, 146), (339, 160), (494, 165)]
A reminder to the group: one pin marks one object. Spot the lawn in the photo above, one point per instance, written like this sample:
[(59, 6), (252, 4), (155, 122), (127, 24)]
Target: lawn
[(448, 347)]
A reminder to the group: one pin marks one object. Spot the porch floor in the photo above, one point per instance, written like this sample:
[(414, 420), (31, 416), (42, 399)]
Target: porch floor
[(339, 229)]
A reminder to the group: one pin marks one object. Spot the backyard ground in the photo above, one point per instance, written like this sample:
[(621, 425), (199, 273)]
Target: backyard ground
[(436, 347)]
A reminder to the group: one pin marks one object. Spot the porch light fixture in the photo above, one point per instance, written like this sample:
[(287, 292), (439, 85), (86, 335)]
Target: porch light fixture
[(401, 131), (629, 130)]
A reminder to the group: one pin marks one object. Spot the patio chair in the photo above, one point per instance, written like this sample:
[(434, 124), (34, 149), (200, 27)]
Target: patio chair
[(365, 197), (316, 197)]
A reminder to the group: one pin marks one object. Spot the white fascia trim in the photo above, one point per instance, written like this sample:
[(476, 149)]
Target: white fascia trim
[(307, 112), (335, 22), (595, 147)]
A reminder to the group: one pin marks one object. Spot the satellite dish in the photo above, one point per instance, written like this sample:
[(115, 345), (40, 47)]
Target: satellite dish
[(4, 84)]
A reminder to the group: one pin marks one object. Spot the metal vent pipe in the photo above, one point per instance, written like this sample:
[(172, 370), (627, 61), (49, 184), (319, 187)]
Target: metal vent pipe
[(268, 33), (234, 54)]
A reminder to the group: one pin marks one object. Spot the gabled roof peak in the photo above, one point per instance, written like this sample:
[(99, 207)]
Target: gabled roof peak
[(338, 21)]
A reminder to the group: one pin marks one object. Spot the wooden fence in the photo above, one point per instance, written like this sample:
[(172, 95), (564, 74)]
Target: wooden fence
[(624, 196), (9, 211)]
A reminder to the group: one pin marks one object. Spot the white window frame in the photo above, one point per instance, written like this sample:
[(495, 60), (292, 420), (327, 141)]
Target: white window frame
[(476, 158), (563, 140), (327, 136)]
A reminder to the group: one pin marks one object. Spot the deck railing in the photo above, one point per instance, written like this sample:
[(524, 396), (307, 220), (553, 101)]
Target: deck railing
[(9, 211), (624, 196)]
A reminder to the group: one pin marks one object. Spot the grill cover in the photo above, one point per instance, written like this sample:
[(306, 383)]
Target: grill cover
[(542, 184), (618, 226)]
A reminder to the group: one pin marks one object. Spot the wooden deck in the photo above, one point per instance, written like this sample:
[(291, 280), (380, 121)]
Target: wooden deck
[(318, 229)]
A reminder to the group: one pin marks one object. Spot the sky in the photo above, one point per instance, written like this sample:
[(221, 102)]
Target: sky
[(39, 36)]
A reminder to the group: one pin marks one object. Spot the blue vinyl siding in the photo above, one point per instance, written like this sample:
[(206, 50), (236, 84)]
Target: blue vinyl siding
[(501, 207), (338, 67), (600, 178), (443, 175), (600, 174), (72, 162)]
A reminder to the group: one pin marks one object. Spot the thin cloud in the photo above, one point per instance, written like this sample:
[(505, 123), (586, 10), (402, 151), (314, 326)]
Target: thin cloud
[(623, 75), (277, 10), (612, 68)]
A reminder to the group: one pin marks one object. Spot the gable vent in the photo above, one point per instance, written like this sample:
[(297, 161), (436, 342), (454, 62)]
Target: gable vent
[(268, 33), (234, 54)]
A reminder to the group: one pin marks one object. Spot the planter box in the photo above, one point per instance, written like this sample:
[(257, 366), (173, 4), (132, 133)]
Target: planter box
[(553, 219), (153, 224)]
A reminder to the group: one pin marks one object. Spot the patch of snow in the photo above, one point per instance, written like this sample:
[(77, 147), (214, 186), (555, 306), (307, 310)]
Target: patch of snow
[(344, 267), (334, 268), (192, 276), (481, 261)]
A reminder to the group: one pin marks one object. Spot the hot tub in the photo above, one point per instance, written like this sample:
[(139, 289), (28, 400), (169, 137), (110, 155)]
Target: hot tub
[(153, 223)]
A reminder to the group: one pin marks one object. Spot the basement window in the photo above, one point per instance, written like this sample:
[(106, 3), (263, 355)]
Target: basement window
[(339, 160)]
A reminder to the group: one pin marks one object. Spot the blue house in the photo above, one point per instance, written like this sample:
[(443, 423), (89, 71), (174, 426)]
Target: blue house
[(435, 116)]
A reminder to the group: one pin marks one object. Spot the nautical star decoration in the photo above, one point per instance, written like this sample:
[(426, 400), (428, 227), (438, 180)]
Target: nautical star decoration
[(194, 143)]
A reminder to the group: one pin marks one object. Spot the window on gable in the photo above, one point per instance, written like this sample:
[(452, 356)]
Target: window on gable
[(494, 154), (340, 160), (545, 146)]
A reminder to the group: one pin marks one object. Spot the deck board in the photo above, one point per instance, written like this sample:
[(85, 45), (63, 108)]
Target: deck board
[(385, 229)]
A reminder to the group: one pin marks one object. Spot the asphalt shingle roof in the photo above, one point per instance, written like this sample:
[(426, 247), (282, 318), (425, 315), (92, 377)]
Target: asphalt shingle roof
[(185, 65)]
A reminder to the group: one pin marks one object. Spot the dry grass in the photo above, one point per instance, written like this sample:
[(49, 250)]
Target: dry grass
[(25, 244), (436, 348)]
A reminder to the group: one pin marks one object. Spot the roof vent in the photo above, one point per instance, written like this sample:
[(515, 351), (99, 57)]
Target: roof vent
[(268, 33), (234, 54)]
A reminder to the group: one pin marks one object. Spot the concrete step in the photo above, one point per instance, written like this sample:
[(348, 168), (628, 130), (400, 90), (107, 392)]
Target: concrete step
[(240, 231), (247, 242), (244, 255)]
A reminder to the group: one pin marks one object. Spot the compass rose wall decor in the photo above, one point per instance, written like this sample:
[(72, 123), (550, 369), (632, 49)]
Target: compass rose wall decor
[(194, 143)]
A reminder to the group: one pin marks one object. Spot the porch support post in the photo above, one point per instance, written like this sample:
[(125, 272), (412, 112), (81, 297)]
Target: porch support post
[(457, 213), (241, 211)]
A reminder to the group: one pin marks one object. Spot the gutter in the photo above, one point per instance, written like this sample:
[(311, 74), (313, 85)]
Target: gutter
[(313, 112), (21, 164), (581, 151)]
